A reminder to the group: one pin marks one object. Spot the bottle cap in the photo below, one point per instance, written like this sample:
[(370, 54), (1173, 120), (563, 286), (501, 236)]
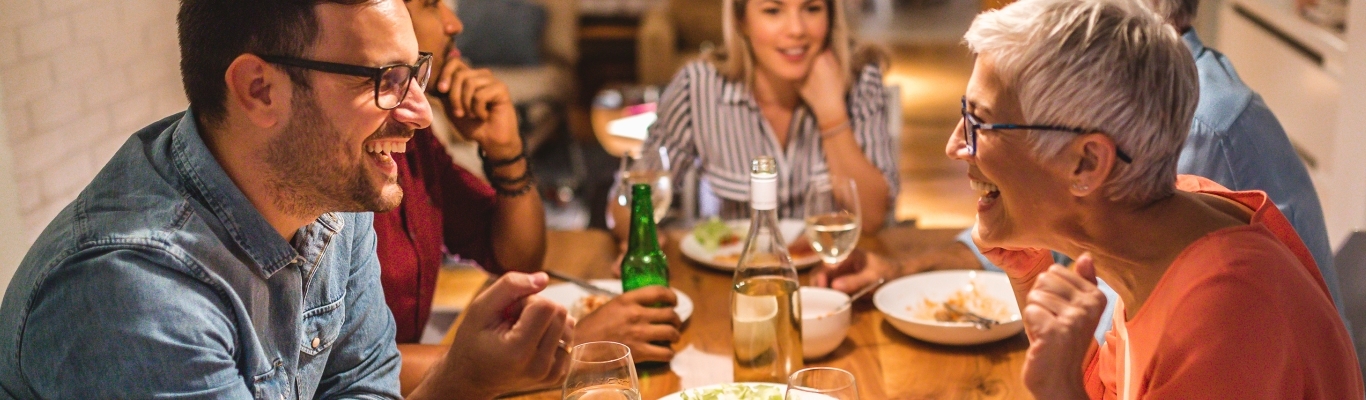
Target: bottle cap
[(763, 183)]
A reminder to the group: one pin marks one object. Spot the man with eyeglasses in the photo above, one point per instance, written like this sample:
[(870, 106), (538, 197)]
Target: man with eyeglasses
[(227, 251)]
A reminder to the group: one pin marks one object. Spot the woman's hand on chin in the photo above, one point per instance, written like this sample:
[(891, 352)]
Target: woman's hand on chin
[(1060, 315), (824, 90)]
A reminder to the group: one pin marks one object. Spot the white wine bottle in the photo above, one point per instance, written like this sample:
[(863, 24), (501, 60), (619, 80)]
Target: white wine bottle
[(766, 322)]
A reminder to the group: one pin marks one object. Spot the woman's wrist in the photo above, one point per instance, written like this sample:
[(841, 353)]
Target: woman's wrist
[(833, 127)]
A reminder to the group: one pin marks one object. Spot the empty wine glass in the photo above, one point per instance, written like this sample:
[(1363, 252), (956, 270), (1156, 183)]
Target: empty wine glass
[(832, 218), (822, 383), (601, 371), (649, 166)]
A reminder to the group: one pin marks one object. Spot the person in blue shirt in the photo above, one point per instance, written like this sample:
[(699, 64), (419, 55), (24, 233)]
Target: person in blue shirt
[(1234, 140), (228, 252)]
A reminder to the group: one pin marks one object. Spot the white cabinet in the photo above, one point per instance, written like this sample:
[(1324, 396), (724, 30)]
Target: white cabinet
[(1295, 66)]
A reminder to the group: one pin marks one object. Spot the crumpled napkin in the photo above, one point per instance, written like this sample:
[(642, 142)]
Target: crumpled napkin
[(696, 368)]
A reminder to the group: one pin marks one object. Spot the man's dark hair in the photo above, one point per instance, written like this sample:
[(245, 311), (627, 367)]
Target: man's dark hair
[(214, 32)]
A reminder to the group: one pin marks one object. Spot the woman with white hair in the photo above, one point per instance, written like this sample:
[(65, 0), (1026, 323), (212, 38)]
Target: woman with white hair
[(788, 83), (1072, 124)]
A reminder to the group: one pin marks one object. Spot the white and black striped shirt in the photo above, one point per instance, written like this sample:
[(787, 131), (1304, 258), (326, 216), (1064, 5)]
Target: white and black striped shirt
[(713, 124)]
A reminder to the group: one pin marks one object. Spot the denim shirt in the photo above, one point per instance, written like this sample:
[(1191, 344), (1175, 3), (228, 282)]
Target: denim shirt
[(1236, 141), (162, 280)]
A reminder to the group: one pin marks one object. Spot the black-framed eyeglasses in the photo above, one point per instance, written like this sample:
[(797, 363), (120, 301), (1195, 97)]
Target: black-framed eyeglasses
[(391, 81), (971, 124)]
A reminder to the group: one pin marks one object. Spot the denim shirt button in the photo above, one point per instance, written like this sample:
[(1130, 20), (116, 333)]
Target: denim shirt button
[(316, 341)]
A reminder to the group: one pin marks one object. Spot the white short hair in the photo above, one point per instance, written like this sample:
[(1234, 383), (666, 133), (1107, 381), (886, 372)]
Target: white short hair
[(1111, 66)]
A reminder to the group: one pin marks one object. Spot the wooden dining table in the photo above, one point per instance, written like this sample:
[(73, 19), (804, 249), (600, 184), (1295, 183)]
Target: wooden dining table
[(886, 363)]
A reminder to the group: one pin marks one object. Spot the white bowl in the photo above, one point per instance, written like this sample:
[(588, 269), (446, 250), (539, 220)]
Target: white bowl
[(900, 298), (825, 320)]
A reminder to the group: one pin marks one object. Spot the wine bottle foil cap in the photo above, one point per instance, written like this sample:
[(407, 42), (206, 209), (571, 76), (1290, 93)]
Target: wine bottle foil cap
[(764, 165)]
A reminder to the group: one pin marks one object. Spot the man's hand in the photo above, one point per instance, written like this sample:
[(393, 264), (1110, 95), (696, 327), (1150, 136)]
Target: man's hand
[(859, 270), (480, 107), (1060, 314), (631, 320), (509, 340)]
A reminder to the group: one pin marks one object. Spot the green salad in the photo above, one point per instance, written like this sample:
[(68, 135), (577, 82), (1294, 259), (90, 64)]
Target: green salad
[(735, 391), (713, 233)]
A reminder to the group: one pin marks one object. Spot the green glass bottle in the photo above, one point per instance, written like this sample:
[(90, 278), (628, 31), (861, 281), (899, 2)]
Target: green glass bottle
[(644, 263)]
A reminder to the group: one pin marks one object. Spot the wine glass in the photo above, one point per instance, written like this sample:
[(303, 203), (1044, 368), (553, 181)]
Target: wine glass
[(648, 165), (832, 218), (601, 371), (823, 383)]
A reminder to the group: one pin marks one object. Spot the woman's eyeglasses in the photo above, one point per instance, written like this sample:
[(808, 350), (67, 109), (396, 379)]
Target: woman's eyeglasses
[(971, 124), (391, 81)]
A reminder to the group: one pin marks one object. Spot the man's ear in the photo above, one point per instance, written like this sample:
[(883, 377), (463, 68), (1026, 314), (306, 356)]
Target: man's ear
[(258, 90), (1094, 157)]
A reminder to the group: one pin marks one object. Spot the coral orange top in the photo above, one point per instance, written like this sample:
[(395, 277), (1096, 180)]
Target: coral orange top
[(1241, 314)]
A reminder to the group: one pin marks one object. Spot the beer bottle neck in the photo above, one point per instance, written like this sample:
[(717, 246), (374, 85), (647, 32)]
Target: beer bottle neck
[(642, 234)]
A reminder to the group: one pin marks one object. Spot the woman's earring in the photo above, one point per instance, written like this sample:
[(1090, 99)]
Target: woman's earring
[(1080, 186)]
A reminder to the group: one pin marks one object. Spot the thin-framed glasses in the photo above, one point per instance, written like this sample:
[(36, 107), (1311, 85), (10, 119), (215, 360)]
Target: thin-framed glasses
[(391, 81), (971, 124)]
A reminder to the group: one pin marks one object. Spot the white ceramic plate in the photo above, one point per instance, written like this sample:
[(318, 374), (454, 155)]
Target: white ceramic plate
[(566, 294), (900, 298), (679, 394), (726, 257)]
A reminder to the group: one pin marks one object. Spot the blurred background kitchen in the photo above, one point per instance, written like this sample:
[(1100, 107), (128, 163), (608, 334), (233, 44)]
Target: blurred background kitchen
[(77, 77)]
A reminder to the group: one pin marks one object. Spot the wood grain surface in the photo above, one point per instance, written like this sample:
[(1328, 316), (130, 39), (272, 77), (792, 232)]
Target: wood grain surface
[(886, 363)]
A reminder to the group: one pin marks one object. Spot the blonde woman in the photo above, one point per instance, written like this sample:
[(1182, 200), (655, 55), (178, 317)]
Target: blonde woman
[(788, 83)]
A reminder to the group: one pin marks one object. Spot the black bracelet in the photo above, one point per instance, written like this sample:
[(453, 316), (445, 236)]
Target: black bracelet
[(526, 187), (491, 163), (501, 181)]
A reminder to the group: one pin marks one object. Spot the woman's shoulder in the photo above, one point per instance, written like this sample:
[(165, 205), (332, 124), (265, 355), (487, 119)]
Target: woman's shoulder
[(700, 70)]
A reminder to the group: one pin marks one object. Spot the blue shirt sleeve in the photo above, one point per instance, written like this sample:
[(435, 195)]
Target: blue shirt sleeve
[(365, 362), (102, 328), (965, 237)]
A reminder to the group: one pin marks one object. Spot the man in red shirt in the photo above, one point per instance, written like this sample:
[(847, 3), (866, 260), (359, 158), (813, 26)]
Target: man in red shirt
[(499, 224)]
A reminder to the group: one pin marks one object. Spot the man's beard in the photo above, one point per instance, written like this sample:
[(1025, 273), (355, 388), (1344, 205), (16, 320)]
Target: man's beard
[(314, 170)]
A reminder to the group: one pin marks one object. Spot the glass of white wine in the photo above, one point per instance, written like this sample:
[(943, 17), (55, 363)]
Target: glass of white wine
[(821, 383), (832, 218), (601, 371), (650, 166)]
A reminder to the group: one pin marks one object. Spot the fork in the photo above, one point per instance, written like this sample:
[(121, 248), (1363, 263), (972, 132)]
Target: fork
[(977, 320)]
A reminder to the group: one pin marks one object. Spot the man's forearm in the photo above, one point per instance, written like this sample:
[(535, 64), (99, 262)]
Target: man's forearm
[(442, 382), (519, 226)]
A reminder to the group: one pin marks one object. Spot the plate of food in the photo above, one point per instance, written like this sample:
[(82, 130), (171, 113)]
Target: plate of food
[(581, 303), (718, 244), (731, 391), (917, 305)]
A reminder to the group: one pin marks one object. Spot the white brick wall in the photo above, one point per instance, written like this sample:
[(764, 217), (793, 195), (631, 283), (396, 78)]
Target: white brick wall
[(79, 77)]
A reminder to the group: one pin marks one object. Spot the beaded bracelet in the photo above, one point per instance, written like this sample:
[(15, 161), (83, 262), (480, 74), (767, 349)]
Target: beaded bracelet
[(499, 183)]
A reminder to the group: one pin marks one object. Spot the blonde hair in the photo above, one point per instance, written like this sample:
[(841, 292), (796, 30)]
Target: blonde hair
[(735, 59), (1109, 65)]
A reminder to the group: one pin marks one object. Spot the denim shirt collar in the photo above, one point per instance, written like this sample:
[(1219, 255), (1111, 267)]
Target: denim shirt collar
[(206, 181), (1193, 43)]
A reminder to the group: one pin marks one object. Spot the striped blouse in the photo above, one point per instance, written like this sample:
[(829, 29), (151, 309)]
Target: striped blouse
[(713, 125)]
